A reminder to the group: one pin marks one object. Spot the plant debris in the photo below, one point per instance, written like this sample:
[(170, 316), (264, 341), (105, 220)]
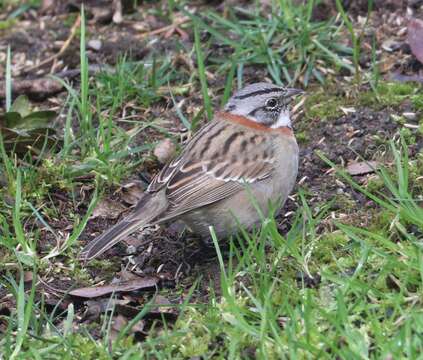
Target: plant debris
[(120, 286), (362, 168)]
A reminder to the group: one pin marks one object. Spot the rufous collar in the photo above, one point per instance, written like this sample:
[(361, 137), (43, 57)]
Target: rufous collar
[(244, 121)]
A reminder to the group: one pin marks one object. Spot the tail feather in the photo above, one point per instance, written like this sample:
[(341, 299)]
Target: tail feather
[(145, 212), (109, 238)]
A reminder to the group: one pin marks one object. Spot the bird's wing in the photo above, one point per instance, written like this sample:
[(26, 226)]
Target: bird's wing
[(218, 162)]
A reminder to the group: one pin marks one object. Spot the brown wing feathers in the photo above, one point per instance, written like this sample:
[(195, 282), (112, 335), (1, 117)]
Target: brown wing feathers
[(214, 165)]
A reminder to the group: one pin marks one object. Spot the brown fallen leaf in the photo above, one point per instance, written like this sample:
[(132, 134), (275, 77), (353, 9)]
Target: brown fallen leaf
[(362, 168), (123, 286), (98, 306), (164, 306), (109, 209), (415, 38), (37, 89), (125, 275), (118, 324), (404, 78)]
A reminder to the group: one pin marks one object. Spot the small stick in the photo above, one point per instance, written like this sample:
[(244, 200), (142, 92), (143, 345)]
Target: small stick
[(165, 28)]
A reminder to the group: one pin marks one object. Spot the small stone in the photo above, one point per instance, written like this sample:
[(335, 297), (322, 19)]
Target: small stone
[(391, 45), (95, 44), (130, 250), (164, 151), (409, 115), (117, 14)]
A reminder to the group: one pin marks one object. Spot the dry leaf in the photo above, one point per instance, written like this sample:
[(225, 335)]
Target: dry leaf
[(164, 308), (404, 78), (118, 324), (37, 89), (347, 110), (96, 307), (362, 168), (123, 286), (107, 208)]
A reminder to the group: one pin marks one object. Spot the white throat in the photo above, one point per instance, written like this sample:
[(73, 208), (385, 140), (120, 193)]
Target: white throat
[(284, 120)]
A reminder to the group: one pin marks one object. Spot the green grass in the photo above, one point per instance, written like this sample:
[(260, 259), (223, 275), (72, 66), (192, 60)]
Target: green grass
[(282, 39), (326, 103), (344, 282), (347, 293)]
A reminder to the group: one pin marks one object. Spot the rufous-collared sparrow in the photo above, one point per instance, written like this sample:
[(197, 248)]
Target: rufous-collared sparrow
[(248, 151)]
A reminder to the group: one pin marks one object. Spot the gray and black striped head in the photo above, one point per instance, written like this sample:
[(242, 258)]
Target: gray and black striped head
[(263, 103)]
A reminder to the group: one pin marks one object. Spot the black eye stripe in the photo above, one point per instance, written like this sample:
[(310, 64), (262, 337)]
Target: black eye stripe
[(268, 121), (265, 108), (260, 92)]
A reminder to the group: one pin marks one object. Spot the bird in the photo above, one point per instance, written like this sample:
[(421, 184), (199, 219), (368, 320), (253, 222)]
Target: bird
[(245, 157)]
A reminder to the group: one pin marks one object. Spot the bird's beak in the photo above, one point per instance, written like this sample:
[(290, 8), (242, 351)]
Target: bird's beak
[(293, 92)]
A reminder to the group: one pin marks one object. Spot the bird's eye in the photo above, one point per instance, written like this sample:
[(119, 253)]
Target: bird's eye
[(271, 103)]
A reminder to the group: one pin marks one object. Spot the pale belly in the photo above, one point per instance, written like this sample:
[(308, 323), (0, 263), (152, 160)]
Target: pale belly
[(250, 206)]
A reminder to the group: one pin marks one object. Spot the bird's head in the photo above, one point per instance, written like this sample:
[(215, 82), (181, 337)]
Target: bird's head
[(264, 103)]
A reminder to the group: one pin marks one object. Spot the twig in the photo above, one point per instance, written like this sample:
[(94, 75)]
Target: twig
[(165, 29), (64, 47)]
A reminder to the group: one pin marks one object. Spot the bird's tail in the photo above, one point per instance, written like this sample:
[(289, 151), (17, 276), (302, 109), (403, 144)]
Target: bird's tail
[(149, 208)]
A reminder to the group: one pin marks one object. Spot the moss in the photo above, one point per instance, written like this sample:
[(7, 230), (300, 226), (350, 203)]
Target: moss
[(196, 337), (75, 346), (381, 220), (7, 24), (324, 105), (302, 137), (344, 202), (418, 102), (392, 94), (70, 19), (408, 135), (374, 184), (328, 244), (420, 130)]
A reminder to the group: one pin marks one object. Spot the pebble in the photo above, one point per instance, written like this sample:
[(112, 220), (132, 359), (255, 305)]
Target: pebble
[(165, 150), (95, 44), (409, 115)]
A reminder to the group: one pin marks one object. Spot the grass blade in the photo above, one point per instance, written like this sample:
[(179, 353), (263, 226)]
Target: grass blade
[(202, 73), (8, 83)]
